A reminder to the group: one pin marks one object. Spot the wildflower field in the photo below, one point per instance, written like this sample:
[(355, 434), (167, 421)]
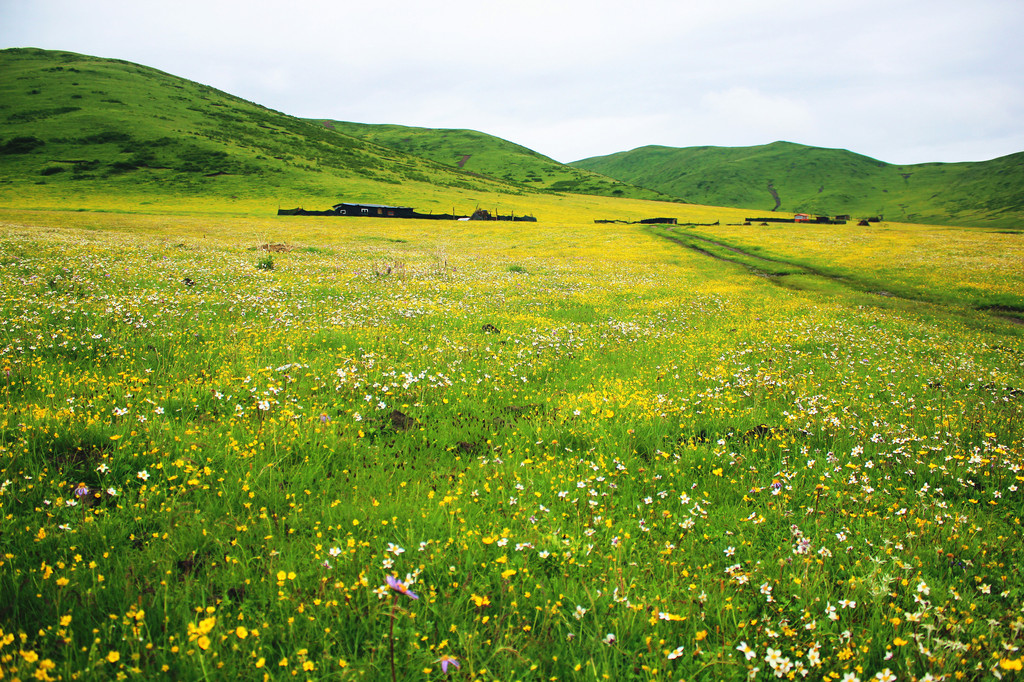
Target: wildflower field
[(255, 449)]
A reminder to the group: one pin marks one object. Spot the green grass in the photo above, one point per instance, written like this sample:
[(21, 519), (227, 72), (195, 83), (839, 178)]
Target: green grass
[(494, 157), (626, 461), (826, 181), (78, 131), (966, 270), (75, 126)]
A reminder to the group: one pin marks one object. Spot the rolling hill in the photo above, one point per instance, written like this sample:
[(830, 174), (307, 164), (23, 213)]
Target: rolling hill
[(791, 177), (76, 128), (494, 157), (74, 125)]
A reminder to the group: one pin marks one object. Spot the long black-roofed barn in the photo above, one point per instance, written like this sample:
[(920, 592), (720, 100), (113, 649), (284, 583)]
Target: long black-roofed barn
[(374, 210)]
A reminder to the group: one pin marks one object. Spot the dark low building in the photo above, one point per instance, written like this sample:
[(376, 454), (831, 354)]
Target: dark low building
[(374, 210), (382, 211)]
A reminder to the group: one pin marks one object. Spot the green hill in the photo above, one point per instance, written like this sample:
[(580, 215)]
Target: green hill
[(790, 177), (73, 125), (494, 157), (76, 128)]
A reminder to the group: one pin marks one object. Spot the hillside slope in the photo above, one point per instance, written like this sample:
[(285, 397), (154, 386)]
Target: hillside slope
[(494, 157), (790, 177), (72, 124)]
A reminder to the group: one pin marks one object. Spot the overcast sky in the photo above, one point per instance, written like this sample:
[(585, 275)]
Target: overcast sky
[(904, 81)]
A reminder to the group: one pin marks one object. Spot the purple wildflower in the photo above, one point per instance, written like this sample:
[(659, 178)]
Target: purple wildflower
[(446, 661), (400, 587)]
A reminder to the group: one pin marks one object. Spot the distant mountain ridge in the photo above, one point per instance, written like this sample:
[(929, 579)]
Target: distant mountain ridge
[(478, 152), (790, 177)]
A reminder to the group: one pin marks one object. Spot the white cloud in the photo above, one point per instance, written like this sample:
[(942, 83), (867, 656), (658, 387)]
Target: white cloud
[(760, 113)]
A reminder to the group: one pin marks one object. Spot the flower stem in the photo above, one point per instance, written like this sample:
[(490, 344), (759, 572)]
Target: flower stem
[(391, 638)]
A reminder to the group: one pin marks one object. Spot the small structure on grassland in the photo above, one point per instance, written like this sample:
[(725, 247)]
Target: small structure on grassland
[(385, 211), (364, 210), (802, 218), (484, 214), (645, 221)]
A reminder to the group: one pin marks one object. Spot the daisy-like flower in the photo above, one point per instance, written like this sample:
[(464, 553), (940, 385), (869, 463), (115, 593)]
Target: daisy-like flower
[(394, 549), (334, 551), (814, 655), (448, 661), (747, 651), (675, 653), (773, 657), (580, 612), (850, 677), (400, 587), (885, 676), (144, 475)]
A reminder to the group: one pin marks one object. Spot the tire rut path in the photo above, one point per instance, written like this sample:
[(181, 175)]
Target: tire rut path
[(847, 282)]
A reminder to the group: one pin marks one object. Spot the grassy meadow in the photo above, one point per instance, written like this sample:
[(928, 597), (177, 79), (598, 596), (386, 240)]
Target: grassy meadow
[(958, 269), (795, 177), (264, 448)]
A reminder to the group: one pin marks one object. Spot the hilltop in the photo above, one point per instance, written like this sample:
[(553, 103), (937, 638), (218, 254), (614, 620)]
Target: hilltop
[(790, 177), (75, 125), (484, 154)]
